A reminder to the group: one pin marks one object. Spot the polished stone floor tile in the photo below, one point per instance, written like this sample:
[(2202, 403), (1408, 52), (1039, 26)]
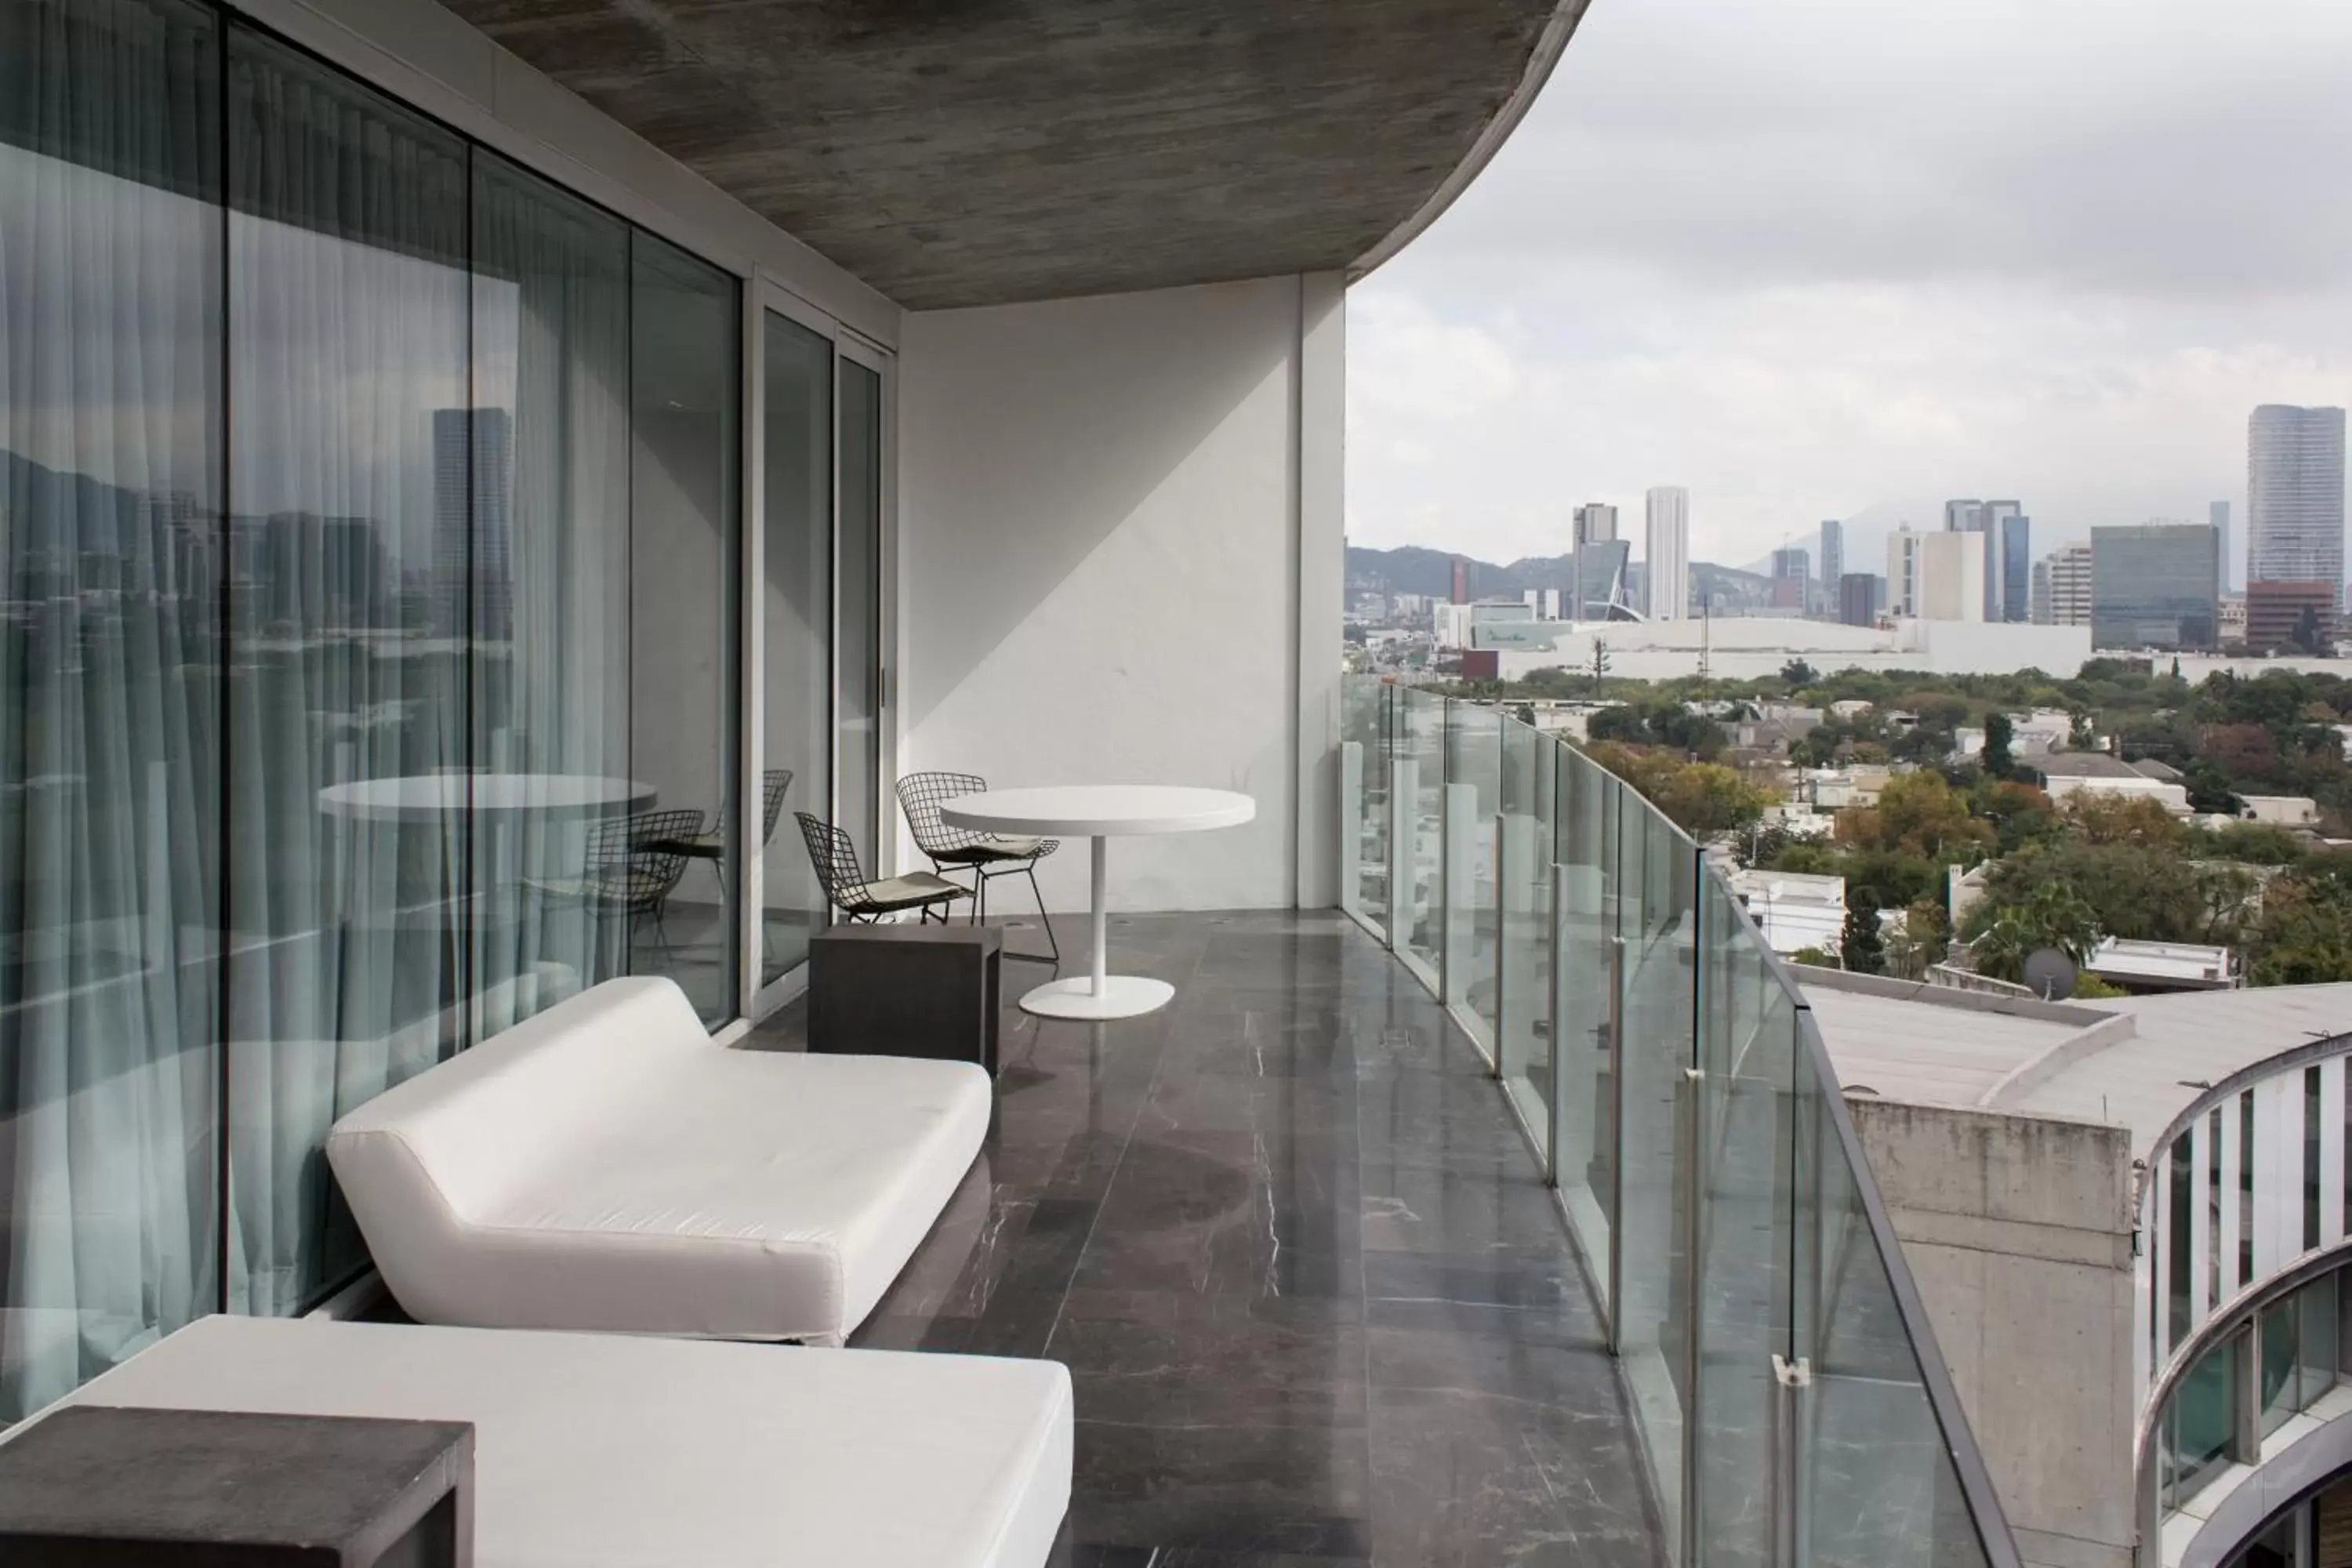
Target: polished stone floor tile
[(1318, 1309)]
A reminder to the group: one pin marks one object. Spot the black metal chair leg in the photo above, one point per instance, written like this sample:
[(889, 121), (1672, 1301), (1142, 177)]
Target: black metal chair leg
[(1051, 940)]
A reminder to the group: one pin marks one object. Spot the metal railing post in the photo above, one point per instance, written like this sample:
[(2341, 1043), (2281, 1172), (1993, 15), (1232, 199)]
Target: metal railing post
[(1554, 1063), (1616, 1145), (1351, 827), (1460, 881), (1791, 1381), (1404, 847), (1694, 1305)]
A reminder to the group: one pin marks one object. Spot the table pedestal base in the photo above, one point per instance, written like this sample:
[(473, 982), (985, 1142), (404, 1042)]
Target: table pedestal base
[(1121, 996)]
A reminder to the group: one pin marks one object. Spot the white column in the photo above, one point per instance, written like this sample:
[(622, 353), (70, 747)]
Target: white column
[(1102, 920)]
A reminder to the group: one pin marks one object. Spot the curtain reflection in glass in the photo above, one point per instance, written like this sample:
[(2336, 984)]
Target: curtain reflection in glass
[(111, 545), (684, 386), (797, 607), (551, 600), (348, 584), (858, 664)]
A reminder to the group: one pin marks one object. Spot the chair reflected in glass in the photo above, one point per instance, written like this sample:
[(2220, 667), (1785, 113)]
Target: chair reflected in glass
[(633, 865), (849, 889), (710, 843), (984, 854)]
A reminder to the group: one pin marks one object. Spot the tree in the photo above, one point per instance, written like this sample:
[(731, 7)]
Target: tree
[(2304, 936), (2082, 730), (2136, 892), (1820, 958), (1600, 664), (1918, 813), (1799, 674), (2306, 632), (2209, 787), (2123, 819), (1705, 799), (1998, 733), (1920, 941), (2001, 938), (1861, 945)]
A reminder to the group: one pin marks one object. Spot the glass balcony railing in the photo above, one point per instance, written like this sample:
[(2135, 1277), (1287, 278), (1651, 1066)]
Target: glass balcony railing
[(1785, 1381)]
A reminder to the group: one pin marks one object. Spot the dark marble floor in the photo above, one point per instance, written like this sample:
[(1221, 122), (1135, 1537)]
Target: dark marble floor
[(1318, 1309)]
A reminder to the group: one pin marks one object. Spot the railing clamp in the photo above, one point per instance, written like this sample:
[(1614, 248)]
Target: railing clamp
[(1693, 1075), (1796, 1374)]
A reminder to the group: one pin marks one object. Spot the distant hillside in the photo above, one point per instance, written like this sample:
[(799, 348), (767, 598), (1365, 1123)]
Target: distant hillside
[(1413, 569)]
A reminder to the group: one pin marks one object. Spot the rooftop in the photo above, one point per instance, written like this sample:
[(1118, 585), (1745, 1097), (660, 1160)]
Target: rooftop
[(2136, 1061)]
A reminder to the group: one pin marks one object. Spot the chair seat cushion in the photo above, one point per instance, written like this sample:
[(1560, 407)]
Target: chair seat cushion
[(906, 892), (597, 1451), (992, 850), (760, 1196)]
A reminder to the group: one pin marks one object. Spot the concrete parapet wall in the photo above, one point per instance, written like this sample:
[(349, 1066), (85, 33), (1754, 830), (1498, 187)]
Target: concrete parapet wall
[(2019, 1231)]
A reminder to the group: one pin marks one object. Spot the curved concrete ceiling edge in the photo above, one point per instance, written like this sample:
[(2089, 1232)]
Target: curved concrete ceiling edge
[(1549, 46)]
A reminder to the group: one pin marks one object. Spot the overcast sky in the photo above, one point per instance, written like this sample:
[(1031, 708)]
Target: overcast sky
[(1819, 259)]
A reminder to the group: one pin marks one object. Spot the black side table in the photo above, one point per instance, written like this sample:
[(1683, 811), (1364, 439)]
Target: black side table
[(906, 991), (97, 1487)]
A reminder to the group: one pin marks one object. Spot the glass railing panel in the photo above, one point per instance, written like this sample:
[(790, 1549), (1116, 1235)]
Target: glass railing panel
[(1473, 800), (1417, 826), (1365, 703), (1743, 1286), (1528, 844), (1584, 1102), (1874, 1483), (1655, 1164)]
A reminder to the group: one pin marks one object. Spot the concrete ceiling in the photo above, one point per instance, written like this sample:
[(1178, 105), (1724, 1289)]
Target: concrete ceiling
[(978, 152)]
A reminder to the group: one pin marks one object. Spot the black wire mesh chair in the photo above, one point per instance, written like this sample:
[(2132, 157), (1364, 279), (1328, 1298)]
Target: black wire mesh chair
[(984, 854), (847, 888), (634, 865), (710, 843)]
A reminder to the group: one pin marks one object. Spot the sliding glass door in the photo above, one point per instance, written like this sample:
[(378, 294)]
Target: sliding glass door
[(823, 563)]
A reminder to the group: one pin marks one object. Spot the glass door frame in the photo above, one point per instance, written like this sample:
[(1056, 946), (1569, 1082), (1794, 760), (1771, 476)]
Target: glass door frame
[(764, 295)]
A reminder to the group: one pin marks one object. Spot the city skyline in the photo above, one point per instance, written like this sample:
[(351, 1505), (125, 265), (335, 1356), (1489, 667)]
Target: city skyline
[(1923, 306)]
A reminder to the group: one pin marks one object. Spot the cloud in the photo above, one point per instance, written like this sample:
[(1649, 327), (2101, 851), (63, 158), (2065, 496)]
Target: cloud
[(1820, 257)]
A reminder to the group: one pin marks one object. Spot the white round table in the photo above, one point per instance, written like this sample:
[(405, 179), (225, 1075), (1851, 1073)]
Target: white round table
[(1099, 811), (439, 794)]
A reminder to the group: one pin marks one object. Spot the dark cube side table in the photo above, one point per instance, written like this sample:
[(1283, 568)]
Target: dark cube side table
[(100, 1487), (906, 991)]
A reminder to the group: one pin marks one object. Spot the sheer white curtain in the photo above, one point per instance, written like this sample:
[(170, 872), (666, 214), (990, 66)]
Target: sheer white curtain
[(348, 293), (110, 496), (551, 356)]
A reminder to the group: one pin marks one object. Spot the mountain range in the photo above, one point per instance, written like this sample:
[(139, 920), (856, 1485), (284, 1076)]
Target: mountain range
[(1414, 569)]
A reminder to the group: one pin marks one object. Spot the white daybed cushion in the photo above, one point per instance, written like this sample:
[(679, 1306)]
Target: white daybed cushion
[(604, 1166), (608, 1451)]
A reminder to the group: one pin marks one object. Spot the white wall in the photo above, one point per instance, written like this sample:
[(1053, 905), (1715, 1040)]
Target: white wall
[(1100, 522)]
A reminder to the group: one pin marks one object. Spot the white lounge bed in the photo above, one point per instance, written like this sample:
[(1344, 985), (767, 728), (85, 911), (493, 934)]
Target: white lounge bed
[(604, 1166), (608, 1451)]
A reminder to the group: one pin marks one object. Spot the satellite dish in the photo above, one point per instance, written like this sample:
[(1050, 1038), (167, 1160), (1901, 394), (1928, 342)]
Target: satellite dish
[(2050, 974)]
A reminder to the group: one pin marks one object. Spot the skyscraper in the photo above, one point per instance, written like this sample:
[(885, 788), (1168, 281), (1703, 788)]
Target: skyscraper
[(1832, 555), (2156, 585), (2218, 514), (473, 457), (1594, 574), (2062, 587), (1997, 517), (1594, 521), (1858, 598), (2295, 525), (2016, 568), (1793, 578), (1667, 548), (1935, 576)]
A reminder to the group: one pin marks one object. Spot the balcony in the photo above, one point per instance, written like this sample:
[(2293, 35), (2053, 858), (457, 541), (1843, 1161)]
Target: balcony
[(1789, 1401)]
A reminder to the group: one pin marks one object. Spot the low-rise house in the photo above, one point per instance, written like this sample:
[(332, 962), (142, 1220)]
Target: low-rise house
[(1794, 912), (2280, 810)]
